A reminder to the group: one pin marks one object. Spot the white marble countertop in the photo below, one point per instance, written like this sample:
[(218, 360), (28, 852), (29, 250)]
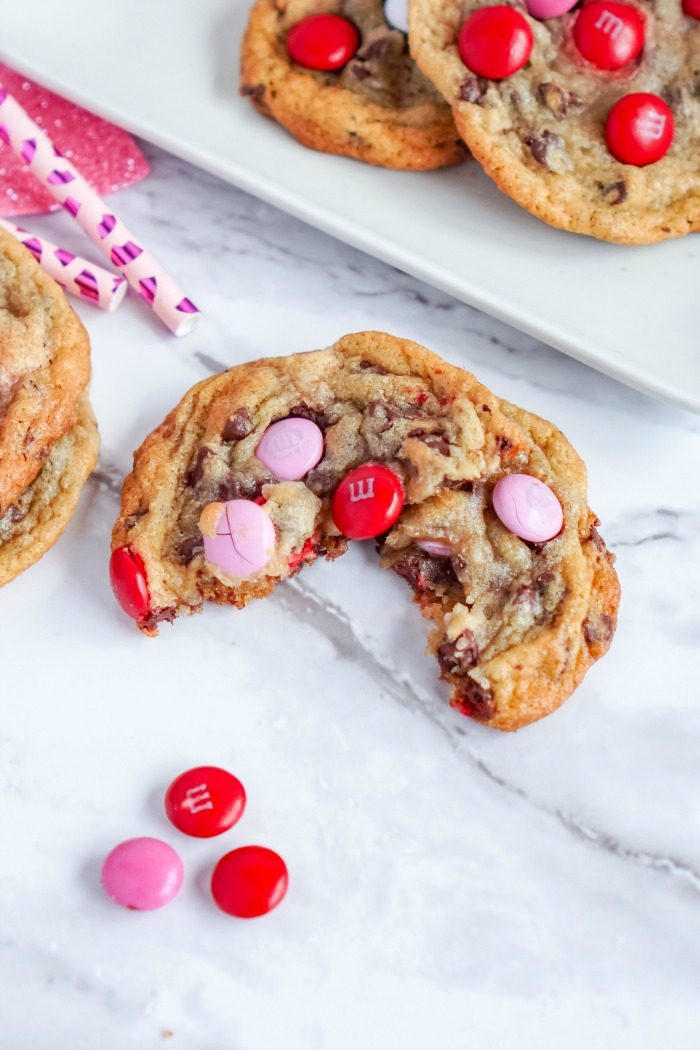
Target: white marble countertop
[(451, 887)]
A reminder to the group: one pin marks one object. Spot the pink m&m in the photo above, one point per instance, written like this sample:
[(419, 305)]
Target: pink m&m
[(290, 448), (435, 548), (142, 874), (239, 536), (549, 8), (528, 507)]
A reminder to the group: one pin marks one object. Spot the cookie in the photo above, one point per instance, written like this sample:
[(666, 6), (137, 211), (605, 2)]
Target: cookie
[(358, 93), (39, 515), (261, 470), (44, 367), (589, 117)]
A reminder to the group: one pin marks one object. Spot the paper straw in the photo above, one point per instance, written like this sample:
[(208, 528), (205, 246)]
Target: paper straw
[(76, 275), (146, 276)]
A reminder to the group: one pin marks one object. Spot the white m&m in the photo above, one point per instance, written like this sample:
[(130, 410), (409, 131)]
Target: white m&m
[(396, 14)]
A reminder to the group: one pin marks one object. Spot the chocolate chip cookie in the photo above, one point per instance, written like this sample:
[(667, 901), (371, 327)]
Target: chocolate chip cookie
[(586, 115), (478, 505), (48, 437), (339, 77)]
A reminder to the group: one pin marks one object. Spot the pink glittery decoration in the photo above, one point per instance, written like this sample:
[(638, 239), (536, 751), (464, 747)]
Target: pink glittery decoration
[(107, 157)]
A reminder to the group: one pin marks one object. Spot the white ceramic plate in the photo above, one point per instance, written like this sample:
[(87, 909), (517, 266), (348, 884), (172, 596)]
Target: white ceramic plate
[(167, 70)]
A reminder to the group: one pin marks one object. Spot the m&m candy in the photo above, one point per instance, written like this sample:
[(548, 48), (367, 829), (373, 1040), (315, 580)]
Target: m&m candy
[(238, 536), (367, 501), (396, 14), (609, 34), (639, 129), (249, 881), (290, 448), (548, 8), (323, 42), (691, 8), (142, 874), (495, 42), (205, 801), (528, 508), (127, 575), (435, 548)]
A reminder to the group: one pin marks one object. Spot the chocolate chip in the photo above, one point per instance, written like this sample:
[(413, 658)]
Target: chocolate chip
[(473, 89), (475, 701), (614, 192), (557, 100), (424, 573), (503, 444), (156, 616), (359, 71), (303, 411), (253, 91), (597, 540), (438, 442), (458, 656), (457, 485), (598, 631), (379, 42), (541, 144), (196, 471), (321, 480), (236, 487), (237, 426), (189, 548), (14, 514)]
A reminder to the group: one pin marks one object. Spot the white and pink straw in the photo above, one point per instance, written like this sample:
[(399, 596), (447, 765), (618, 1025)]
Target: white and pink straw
[(65, 183)]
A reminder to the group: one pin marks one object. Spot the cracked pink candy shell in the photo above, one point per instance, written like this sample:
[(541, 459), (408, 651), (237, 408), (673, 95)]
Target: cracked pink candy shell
[(107, 157), (244, 540)]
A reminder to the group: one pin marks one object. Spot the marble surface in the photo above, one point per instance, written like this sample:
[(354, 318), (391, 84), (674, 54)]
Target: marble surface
[(451, 887)]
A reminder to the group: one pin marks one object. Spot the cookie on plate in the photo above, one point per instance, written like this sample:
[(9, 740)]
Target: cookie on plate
[(339, 77), (48, 436), (588, 115), (480, 506)]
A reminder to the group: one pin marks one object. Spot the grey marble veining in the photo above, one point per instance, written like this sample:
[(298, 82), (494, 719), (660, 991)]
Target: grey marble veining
[(450, 886)]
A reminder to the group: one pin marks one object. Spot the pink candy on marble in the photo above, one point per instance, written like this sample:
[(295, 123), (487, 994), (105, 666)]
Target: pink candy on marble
[(290, 448), (549, 8), (435, 549), (142, 874), (528, 508), (244, 538)]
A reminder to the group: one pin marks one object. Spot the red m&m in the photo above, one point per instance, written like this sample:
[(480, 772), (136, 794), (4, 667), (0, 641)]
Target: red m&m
[(249, 881), (639, 129), (367, 501), (495, 42), (205, 801), (691, 8), (609, 34), (127, 575), (323, 42)]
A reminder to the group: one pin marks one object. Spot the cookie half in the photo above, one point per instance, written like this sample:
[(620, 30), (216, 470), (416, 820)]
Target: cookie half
[(39, 515), (546, 133), (44, 368), (515, 623), (377, 107)]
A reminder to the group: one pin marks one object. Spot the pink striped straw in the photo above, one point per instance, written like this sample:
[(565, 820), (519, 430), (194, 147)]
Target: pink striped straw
[(76, 275), (62, 179)]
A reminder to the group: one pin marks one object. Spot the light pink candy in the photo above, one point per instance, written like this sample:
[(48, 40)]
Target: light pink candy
[(142, 874), (549, 8), (528, 507), (435, 549), (244, 541), (290, 448)]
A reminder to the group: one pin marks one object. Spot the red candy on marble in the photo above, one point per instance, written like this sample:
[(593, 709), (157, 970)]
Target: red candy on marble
[(249, 881), (127, 575), (691, 8), (639, 129), (205, 801), (495, 42), (609, 34), (323, 41), (367, 501)]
